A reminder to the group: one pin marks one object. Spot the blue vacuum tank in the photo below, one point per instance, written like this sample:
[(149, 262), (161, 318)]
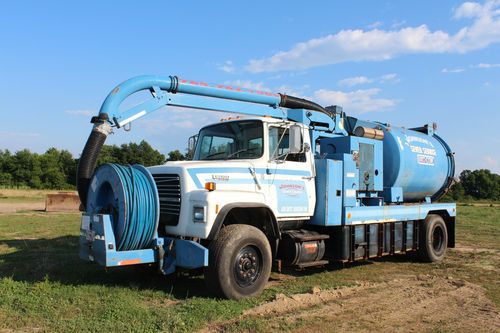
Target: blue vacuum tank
[(418, 161)]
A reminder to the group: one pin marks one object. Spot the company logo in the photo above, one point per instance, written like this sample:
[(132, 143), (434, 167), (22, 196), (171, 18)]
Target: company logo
[(291, 189)]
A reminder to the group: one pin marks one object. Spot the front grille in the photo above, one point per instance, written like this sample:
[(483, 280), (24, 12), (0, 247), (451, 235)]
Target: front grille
[(169, 191)]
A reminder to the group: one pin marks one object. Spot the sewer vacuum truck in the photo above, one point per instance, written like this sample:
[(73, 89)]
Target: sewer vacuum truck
[(288, 183)]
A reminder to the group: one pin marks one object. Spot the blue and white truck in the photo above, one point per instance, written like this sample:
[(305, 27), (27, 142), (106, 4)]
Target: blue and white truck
[(286, 183)]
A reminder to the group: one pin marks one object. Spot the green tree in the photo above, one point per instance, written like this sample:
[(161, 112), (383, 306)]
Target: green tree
[(456, 192), (108, 154), (131, 153), (6, 168), (27, 169), (175, 155), (52, 175), (68, 166), (481, 184)]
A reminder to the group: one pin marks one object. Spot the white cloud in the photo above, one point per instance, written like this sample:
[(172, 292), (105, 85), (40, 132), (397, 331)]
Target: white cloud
[(86, 113), (227, 66), (378, 45), (357, 80), (293, 91), (492, 163), (452, 70), (397, 24), (359, 101), (486, 66), (174, 119), (261, 86), (375, 25), (247, 84), (391, 77), (468, 10), (184, 124), (352, 81)]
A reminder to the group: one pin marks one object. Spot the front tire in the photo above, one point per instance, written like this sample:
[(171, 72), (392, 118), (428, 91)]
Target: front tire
[(434, 239), (239, 262)]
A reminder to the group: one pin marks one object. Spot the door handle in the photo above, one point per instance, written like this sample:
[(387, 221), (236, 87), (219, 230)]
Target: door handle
[(308, 177)]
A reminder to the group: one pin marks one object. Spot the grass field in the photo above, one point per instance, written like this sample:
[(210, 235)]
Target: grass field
[(45, 287)]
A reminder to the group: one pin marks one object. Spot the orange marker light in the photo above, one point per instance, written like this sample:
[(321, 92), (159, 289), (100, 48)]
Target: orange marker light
[(216, 209), (210, 186), (348, 215), (129, 262)]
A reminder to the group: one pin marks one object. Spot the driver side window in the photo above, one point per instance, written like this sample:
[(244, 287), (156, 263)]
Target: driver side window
[(215, 146), (279, 146)]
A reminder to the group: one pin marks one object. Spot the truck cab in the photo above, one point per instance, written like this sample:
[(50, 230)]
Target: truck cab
[(246, 164)]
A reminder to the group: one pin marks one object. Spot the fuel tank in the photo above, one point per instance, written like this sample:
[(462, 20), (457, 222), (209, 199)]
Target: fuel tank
[(418, 161)]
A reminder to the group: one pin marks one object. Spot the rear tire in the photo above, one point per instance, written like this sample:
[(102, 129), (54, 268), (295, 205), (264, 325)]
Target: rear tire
[(239, 263), (433, 239)]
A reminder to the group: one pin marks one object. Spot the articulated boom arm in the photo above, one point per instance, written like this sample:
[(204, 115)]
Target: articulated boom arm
[(173, 91)]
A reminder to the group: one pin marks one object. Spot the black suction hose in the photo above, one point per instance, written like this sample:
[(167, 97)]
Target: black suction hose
[(88, 159), (292, 102)]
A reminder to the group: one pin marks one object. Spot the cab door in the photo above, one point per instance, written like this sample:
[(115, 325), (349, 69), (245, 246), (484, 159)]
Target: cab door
[(289, 176)]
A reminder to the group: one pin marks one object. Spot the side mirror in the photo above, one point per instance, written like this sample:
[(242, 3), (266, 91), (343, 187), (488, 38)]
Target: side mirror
[(192, 145), (295, 139)]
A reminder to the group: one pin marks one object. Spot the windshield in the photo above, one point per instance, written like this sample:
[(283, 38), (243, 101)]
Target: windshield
[(231, 140)]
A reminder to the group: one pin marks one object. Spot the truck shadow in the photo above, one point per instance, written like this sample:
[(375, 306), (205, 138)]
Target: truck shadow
[(56, 259)]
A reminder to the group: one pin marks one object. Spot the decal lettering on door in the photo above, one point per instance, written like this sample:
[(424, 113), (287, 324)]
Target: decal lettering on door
[(292, 196)]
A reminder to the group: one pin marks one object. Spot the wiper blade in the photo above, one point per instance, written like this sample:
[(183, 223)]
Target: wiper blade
[(215, 154), (241, 151), (236, 152)]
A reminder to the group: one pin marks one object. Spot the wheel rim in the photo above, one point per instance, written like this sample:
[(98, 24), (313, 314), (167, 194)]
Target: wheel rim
[(438, 239), (247, 266)]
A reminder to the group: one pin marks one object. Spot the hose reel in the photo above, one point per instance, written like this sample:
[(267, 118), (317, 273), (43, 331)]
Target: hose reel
[(129, 195)]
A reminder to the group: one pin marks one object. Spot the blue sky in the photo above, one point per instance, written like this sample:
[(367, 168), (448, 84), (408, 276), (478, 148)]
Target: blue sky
[(393, 61)]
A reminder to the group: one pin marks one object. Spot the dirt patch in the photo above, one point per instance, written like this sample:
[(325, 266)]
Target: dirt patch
[(470, 249), (283, 304), (62, 202), (415, 304), (13, 207)]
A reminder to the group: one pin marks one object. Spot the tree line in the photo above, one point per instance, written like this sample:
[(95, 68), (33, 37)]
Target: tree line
[(56, 169), (478, 184)]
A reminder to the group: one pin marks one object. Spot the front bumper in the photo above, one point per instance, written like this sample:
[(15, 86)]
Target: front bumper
[(97, 243)]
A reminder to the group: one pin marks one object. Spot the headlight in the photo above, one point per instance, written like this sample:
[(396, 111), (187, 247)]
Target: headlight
[(199, 214)]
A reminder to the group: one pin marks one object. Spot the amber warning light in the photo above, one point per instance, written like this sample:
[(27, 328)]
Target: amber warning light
[(210, 186)]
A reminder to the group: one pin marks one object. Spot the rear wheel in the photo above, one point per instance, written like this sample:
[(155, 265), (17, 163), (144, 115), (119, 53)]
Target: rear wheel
[(239, 262), (433, 239)]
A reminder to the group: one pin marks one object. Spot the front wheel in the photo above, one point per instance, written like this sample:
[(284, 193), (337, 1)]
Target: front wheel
[(239, 262), (434, 239)]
